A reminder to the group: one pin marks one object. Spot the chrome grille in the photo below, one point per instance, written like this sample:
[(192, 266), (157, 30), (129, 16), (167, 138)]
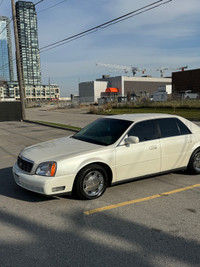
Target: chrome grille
[(24, 164)]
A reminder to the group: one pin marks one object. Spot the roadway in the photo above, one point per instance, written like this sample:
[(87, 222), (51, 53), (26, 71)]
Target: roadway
[(148, 222), (75, 117)]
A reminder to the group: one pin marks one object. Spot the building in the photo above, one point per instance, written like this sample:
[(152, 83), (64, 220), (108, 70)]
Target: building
[(10, 91), (120, 87), (188, 80), (3, 90), (6, 61), (28, 42), (36, 92), (137, 85), (89, 92)]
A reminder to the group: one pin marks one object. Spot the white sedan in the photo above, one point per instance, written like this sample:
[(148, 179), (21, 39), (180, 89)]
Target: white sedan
[(107, 151)]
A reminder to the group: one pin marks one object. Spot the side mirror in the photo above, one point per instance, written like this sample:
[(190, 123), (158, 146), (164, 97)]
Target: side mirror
[(131, 140)]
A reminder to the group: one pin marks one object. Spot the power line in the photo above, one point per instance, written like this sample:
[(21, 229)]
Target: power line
[(140, 12), (7, 64), (104, 25), (51, 6), (101, 26), (38, 2), (10, 20), (6, 26)]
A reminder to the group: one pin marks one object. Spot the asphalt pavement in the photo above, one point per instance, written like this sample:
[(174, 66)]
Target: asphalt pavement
[(150, 222), (78, 117)]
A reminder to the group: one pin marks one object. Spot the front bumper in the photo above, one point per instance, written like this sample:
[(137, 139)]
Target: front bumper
[(42, 184)]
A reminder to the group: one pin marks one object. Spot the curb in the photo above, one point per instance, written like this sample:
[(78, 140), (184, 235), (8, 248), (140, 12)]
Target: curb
[(53, 126)]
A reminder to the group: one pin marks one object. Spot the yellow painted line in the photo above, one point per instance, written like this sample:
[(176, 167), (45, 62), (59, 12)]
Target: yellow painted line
[(89, 212)]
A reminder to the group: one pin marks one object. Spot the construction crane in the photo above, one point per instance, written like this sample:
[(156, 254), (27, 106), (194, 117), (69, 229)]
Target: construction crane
[(126, 69), (134, 70), (163, 69)]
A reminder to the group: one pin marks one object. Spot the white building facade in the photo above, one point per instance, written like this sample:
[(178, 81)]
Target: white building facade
[(10, 91), (90, 91)]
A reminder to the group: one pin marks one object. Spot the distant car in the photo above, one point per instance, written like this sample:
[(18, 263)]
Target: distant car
[(107, 151)]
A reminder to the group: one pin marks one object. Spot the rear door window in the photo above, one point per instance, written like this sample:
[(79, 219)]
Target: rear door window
[(172, 127), (183, 128)]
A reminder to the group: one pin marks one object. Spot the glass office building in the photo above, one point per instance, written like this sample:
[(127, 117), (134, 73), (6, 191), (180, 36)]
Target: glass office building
[(28, 42), (6, 61)]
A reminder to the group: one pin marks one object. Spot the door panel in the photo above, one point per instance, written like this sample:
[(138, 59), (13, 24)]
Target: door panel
[(175, 152), (176, 144), (138, 159)]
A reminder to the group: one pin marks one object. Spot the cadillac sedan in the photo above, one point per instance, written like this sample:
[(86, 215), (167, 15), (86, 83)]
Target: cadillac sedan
[(110, 150)]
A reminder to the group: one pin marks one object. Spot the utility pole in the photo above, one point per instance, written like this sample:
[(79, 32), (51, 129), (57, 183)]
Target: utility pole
[(18, 60)]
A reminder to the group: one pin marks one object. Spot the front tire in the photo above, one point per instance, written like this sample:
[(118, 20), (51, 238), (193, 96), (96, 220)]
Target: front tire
[(194, 163), (91, 182)]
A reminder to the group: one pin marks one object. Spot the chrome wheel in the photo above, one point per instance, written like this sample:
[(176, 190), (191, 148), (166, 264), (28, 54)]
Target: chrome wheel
[(196, 162), (93, 183)]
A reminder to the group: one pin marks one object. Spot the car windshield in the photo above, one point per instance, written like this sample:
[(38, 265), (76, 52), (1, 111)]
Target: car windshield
[(104, 131)]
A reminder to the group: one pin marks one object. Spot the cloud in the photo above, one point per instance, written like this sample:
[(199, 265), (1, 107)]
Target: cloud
[(166, 36)]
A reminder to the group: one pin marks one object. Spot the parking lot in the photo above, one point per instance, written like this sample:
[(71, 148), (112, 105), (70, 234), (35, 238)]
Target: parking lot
[(148, 222)]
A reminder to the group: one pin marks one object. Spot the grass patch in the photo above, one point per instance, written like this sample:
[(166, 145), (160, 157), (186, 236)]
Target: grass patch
[(189, 109)]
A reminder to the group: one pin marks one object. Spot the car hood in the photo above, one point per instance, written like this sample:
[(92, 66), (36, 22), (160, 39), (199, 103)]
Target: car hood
[(57, 149)]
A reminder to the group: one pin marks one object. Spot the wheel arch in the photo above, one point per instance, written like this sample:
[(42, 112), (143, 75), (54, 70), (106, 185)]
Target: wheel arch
[(102, 164), (189, 168), (195, 148)]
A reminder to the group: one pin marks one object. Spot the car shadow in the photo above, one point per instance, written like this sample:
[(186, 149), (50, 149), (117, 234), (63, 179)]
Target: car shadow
[(10, 189)]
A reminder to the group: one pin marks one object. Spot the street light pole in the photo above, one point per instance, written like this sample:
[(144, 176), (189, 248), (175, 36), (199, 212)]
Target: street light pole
[(18, 61)]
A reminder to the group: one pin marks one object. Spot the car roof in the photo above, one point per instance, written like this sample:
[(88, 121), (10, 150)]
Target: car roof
[(141, 116), (148, 116)]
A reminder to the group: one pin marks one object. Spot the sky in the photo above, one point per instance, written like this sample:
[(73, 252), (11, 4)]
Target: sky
[(167, 36)]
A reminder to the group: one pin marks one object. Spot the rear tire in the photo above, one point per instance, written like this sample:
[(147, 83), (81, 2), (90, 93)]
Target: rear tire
[(91, 182), (194, 163)]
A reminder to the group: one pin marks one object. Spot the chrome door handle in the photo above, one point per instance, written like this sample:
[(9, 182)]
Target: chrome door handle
[(153, 147)]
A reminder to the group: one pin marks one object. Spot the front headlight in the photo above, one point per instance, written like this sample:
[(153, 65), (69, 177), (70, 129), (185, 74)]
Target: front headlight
[(47, 169)]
